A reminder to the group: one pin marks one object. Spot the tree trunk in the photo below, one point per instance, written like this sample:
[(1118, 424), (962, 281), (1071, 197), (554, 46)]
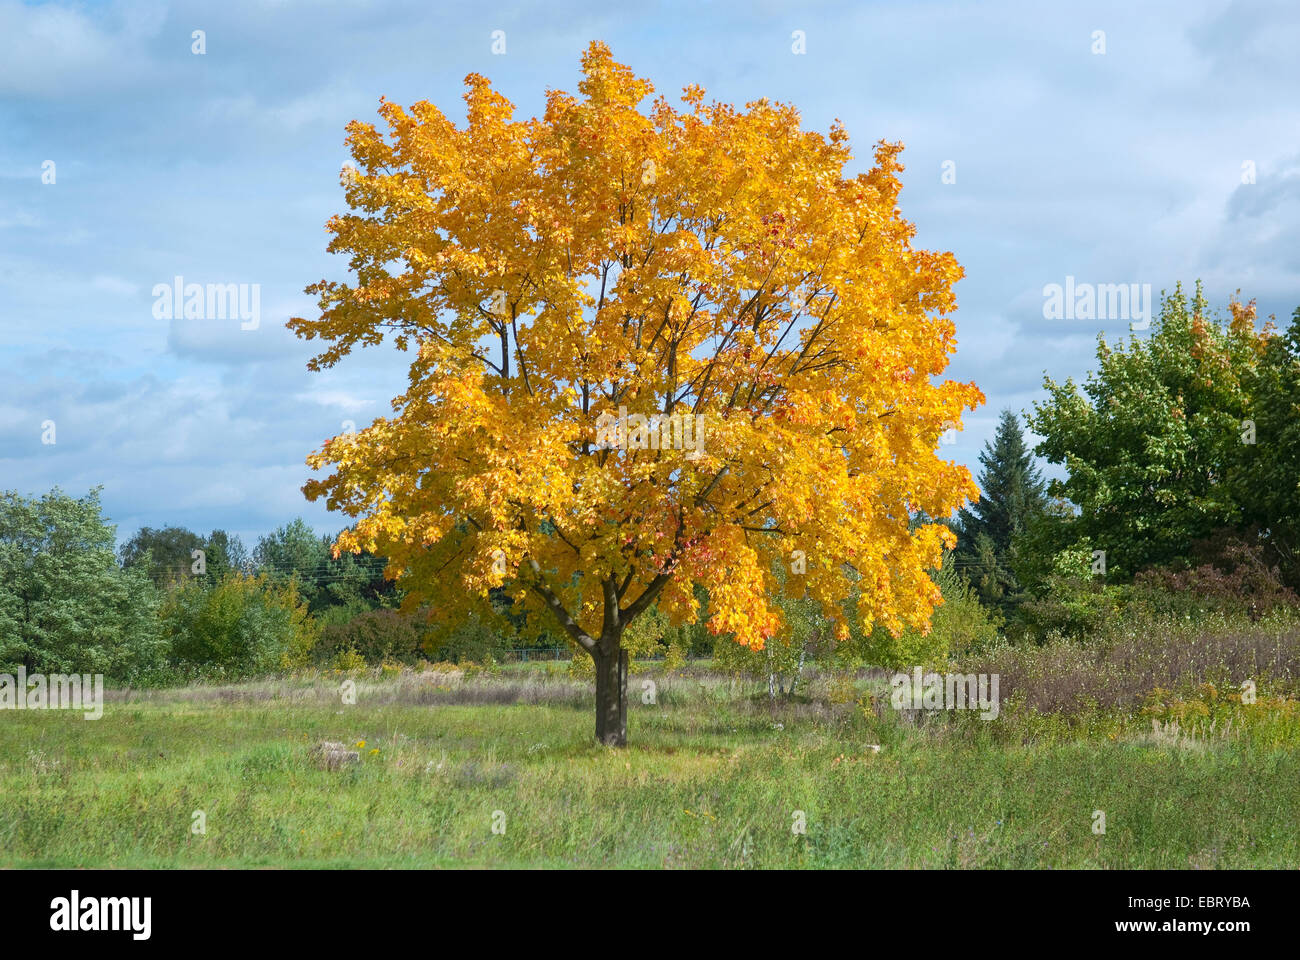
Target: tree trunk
[(798, 671), (611, 692)]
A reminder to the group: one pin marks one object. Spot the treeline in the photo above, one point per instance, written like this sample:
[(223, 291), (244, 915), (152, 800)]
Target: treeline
[(1180, 500), (173, 605)]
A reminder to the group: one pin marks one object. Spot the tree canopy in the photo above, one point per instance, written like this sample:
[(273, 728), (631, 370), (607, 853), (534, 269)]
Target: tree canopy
[(65, 604), (1154, 442)]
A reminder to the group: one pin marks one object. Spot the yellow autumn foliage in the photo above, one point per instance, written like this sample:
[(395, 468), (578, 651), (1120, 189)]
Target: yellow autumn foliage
[(622, 257)]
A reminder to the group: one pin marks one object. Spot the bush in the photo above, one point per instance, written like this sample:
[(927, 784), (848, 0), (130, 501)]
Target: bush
[(960, 624), (378, 636), (241, 626), (348, 661), (1071, 604), (1236, 585), (1235, 582), (1121, 667), (475, 640)]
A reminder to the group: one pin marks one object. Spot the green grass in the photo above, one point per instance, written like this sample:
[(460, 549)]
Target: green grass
[(712, 779)]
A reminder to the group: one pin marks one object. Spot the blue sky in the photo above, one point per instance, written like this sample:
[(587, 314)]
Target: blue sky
[(1117, 167)]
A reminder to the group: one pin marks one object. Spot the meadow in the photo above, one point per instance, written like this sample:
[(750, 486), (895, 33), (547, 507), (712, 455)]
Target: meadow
[(715, 776)]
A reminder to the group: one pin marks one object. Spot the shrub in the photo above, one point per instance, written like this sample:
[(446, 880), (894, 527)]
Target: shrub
[(960, 624), (1071, 604), (1235, 581), (475, 639), (348, 661), (1129, 660), (377, 636), (240, 626)]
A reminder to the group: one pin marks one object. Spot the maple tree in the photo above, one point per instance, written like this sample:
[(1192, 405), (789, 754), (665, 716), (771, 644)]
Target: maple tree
[(605, 264)]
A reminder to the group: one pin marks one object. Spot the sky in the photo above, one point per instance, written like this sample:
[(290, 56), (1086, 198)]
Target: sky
[(1113, 143)]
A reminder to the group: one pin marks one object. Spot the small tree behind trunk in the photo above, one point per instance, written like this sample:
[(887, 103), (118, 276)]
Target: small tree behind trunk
[(776, 681)]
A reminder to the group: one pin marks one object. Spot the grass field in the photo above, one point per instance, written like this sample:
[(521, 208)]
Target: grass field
[(713, 778)]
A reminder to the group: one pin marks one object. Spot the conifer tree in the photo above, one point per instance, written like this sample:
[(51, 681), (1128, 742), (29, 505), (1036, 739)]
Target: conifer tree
[(1011, 492)]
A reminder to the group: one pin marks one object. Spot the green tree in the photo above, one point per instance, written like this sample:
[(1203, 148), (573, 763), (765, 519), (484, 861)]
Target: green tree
[(1268, 474), (168, 554), (1012, 494), (164, 553), (65, 604), (986, 570), (782, 660), (226, 553), (335, 588), (291, 550), (351, 582), (1151, 439)]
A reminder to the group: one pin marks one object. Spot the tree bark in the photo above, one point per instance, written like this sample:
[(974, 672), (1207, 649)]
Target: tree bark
[(611, 692)]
